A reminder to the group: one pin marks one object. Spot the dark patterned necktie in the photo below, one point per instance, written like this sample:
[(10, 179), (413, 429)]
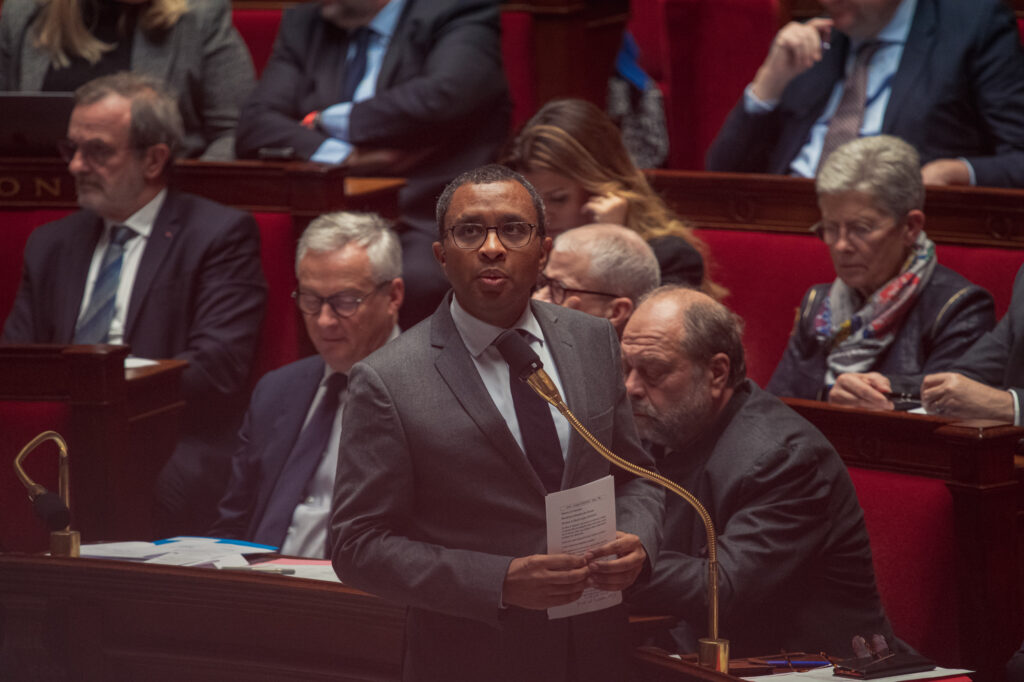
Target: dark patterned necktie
[(849, 115), (94, 325), (302, 463), (540, 439), (355, 70)]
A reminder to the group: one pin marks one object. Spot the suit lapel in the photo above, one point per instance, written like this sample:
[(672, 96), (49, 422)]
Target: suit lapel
[(570, 371), (331, 49), (286, 429), (405, 38), (80, 245), (914, 61), (165, 229), (456, 368)]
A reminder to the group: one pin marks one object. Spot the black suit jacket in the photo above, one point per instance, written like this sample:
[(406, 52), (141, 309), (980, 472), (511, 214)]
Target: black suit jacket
[(795, 569), (948, 316), (997, 359), (441, 87), (198, 296), (958, 92), (272, 425)]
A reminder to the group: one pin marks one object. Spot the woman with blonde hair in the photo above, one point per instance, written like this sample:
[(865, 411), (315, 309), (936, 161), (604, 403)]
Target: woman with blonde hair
[(573, 154), (58, 45)]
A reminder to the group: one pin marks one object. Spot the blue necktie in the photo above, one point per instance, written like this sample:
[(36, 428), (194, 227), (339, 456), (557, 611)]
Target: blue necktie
[(355, 70), (94, 325), (540, 439), (301, 465)]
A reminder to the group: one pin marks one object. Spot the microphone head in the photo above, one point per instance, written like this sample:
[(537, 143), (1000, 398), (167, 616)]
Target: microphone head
[(521, 359), (52, 510)]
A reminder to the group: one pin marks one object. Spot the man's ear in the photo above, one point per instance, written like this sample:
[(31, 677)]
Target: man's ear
[(618, 312), (439, 254), (718, 370), (154, 160)]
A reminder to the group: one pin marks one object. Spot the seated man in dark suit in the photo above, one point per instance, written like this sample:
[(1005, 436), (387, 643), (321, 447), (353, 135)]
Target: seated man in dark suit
[(987, 381), (402, 87), (599, 269), (795, 568), (170, 274), (945, 75), (349, 267)]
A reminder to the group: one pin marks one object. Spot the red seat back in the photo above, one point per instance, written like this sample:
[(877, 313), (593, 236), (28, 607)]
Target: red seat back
[(280, 335), (910, 522), (517, 54), (258, 28), (15, 227), (987, 267)]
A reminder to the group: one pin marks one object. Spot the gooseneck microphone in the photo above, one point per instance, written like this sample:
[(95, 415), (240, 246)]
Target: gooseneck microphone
[(53, 509), (526, 365)]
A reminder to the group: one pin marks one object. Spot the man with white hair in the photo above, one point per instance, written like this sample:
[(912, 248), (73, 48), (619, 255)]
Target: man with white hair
[(349, 267), (599, 269)]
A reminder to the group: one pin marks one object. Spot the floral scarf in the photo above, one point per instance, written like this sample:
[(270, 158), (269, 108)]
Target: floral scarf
[(856, 337)]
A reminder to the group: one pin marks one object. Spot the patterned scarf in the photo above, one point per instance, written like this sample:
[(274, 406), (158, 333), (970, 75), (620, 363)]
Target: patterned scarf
[(856, 337)]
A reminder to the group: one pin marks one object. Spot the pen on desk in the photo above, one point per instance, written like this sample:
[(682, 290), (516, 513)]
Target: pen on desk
[(896, 396), (257, 569)]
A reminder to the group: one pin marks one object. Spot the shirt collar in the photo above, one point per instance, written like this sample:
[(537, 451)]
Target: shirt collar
[(386, 20), (395, 331), (479, 335), (898, 28), (142, 220)]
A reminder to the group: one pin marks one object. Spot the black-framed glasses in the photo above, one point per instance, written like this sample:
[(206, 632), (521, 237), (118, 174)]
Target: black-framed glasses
[(557, 290), (343, 304), (512, 235), (94, 152)]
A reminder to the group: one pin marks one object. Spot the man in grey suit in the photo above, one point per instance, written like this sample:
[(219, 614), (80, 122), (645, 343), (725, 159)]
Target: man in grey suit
[(437, 504)]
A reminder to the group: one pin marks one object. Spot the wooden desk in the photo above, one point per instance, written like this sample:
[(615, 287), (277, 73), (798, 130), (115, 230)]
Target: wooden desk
[(976, 460), (979, 216), (302, 189), (104, 620), (121, 427)]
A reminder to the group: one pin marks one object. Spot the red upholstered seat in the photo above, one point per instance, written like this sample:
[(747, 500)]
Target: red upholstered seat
[(767, 275), (910, 522), (16, 226), (701, 53), (991, 268), (517, 54), (280, 335), (258, 28), (20, 422)]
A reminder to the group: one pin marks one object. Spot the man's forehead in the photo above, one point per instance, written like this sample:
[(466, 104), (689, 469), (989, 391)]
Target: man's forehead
[(508, 198), (570, 267), (110, 116)]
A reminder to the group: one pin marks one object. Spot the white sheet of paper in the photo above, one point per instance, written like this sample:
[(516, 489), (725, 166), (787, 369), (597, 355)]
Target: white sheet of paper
[(580, 519), (825, 675)]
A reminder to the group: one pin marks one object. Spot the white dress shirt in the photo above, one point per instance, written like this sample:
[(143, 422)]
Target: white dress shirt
[(141, 222)]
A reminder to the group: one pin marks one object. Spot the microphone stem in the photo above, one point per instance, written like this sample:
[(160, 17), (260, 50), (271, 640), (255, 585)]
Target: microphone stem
[(542, 384)]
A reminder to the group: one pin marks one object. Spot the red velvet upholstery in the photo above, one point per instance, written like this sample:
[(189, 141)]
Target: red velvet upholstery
[(20, 529), (16, 226), (279, 337), (910, 523), (767, 275), (702, 53), (517, 54), (991, 268), (258, 28)]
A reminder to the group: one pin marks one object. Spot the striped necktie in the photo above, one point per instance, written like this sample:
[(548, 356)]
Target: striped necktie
[(849, 115), (94, 325)]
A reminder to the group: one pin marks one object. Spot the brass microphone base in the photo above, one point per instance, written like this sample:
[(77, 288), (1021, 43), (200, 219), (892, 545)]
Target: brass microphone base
[(65, 543), (714, 654)]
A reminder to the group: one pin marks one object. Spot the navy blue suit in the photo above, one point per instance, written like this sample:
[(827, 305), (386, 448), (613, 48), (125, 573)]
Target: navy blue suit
[(199, 296), (269, 432), (958, 92)]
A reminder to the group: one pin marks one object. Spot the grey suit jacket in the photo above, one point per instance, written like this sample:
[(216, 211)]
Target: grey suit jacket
[(434, 498), (202, 58)]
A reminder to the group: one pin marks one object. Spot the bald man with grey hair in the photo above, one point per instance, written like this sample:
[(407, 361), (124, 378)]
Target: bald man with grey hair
[(599, 269)]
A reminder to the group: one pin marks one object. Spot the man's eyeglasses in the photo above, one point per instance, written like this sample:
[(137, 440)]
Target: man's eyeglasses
[(514, 235), (343, 304), (94, 152), (557, 290)]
